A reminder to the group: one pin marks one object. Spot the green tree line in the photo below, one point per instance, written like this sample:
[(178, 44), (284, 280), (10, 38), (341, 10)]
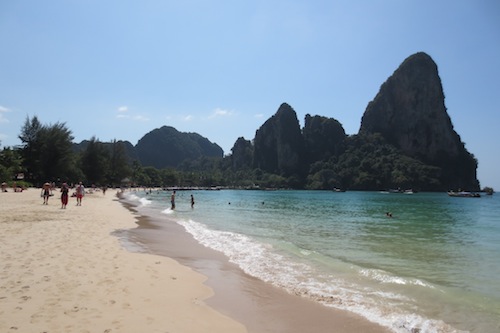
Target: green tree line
[(46, 154), (365, 162)]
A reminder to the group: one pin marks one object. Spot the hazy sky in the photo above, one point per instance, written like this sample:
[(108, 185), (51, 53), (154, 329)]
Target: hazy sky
[(119, 69)]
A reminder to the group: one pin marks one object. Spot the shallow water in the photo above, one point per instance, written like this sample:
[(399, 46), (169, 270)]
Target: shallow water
[(433, 266)]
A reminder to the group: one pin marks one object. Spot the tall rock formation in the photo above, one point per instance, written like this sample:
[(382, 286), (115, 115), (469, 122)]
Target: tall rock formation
[(279, 145), (409, 112), (324, 137), (242, 154)]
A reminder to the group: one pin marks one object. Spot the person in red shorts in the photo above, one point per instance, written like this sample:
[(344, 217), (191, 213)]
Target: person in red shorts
[(80, 192), (64, 195)]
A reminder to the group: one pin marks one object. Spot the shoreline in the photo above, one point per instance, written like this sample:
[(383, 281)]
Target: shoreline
[(259, 306), (64, 270), (85, 269)]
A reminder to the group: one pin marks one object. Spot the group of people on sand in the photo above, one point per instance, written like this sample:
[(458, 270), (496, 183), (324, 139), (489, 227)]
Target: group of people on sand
[(48, 188), (15, 187)]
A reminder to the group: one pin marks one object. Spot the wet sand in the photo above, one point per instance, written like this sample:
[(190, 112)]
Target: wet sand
[(76, 270), (261, 307), (64, 270)]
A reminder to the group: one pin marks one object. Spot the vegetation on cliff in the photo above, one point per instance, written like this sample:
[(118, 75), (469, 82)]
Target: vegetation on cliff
[(406, 140)]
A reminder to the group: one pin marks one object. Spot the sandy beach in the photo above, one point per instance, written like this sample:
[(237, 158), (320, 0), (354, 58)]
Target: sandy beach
[(65, 270)]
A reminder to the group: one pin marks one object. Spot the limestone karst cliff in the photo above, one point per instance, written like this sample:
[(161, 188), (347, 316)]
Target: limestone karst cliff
[(279, 145), (406, 139), (410, 113), (242, 154), (324, 137)]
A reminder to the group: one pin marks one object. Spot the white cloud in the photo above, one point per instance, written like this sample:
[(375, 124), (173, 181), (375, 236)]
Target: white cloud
[(123, 113), (188, 118), (218, 112), (3, 110), (259, 115), (140, 118)]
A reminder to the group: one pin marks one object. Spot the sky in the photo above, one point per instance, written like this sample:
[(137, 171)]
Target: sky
[(118, 69)]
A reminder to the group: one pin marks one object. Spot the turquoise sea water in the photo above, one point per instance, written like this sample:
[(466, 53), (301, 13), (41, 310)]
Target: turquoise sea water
[(433, 267)]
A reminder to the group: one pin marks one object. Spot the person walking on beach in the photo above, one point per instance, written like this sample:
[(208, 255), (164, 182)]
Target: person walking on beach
[(172, 200), (64, 195), (192, 201), (80, 192), (46, 193)]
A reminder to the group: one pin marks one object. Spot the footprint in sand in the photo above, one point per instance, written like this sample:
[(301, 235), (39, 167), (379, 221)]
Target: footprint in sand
[(75, 309)]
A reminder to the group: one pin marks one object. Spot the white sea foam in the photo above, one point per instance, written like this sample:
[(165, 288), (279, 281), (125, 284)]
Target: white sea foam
[(167, 211), (145, 202), (343, 238), (254, 258), (305, 252), (134, 198), (264, 262), (131, 196), (385, 277)]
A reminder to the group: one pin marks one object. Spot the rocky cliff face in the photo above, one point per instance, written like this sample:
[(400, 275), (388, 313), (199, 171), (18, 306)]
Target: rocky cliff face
[(409, 112), (242, 154), (324, 137), (278, 144), (407, 118)]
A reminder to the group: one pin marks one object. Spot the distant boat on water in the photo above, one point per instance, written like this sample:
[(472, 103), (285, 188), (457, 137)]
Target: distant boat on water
[(408, 191), (464, 194)]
